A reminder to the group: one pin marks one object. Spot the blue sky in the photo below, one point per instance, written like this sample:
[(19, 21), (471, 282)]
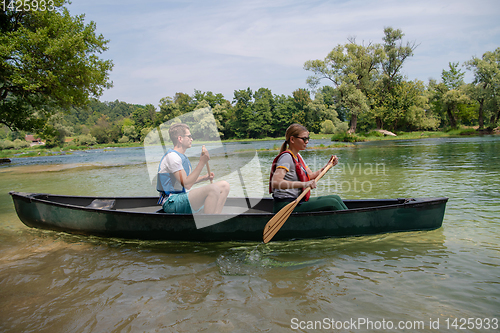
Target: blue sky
[(163, 47)]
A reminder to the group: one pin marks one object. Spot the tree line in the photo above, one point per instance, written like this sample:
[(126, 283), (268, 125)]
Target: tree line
[(51, 76), (369, 85)]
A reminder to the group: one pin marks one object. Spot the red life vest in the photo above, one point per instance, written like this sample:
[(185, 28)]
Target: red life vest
[(300, 169)]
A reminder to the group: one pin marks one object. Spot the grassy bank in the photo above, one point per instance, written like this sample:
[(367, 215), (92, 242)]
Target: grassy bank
[(377, 136), (67, 149)]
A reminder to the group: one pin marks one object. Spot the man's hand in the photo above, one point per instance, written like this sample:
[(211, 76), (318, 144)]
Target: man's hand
[(210, 176), (205, 156)]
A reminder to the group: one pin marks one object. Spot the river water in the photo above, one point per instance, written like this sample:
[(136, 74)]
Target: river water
[(420, 281)]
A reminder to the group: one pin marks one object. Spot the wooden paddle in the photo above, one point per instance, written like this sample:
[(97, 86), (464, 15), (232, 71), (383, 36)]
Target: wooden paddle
[(203, 149), (275, 224)]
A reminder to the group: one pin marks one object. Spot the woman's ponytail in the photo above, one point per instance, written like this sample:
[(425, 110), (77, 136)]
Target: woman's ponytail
[(283, 147)]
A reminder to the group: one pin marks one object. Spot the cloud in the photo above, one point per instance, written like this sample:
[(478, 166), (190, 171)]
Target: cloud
[(163, 47)]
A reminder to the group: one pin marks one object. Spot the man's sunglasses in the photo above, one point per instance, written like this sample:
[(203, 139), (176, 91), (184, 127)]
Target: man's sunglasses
[(189, 136)]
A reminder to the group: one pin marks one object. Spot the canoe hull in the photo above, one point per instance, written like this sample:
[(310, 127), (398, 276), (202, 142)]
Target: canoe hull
[(72, 214)]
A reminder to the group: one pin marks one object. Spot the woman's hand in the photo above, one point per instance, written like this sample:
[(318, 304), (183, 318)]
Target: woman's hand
[(312, 184)]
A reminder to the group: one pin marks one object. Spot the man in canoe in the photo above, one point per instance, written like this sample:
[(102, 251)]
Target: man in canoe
[(176, 177), (290, 176)]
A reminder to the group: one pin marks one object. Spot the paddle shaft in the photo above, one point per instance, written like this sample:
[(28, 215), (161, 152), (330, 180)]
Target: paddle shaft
[(275, 224)]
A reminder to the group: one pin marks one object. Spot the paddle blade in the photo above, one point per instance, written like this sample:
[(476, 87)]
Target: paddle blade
[(275, 224)]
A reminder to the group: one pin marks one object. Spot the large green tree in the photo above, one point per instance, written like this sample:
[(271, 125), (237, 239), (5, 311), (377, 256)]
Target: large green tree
[(486, 86), (387, 87), (242, 116), (451, 97), (48, 59), (352, 69)]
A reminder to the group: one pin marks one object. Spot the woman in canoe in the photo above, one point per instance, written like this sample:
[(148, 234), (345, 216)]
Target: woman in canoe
[(290, 176)]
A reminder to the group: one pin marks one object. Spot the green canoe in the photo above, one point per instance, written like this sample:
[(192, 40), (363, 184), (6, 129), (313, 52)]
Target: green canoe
[(140, 218)]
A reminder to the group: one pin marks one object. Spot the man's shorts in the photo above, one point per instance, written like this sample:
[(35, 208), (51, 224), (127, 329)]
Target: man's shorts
[(178, 203)]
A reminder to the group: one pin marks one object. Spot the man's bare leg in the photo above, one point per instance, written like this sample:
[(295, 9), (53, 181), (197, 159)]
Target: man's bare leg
[(213, 196)]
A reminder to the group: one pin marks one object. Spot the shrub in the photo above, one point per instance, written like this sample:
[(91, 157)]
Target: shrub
[(6, 144), (86, 140), (341, 128), (327, 127), (376, 134), (18, 144), (468, 131), (123, 139), (346, 137)]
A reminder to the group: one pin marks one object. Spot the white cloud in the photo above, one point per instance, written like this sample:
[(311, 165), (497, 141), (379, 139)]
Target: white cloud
[(163, 47)]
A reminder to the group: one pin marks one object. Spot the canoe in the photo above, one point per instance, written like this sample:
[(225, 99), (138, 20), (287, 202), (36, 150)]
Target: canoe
[(141, 218)]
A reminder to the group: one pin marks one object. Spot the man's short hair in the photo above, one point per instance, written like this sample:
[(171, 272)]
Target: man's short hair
[(177, 130)]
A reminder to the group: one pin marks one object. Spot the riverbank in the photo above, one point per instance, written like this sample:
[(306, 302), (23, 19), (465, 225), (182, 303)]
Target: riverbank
[(343, 140)]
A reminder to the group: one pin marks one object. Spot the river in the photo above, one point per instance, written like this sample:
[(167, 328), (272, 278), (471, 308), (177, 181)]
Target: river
[(421, 281)]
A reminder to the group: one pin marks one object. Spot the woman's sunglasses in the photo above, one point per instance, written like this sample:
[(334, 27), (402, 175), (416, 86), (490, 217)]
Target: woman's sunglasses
[(306, 139)]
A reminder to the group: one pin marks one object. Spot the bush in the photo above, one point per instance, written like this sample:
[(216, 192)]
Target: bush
[(86, 140), (375, 134), (346, 137), (18, 144), (468, 131), (6, 144), (341, 128), (130, 133), (327, 127), (123, 139)]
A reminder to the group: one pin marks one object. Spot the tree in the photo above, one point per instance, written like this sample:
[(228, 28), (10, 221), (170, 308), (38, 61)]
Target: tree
[(241, 114), (100, 130), (48, 59), (284, 112), (486, 85), (351, 68), (144, 116), (209, 96), (130, 132), (387, 87), (408, 104), (301, 98), (204, 128), (331, 97), (316, 112), (263, 110), (450, 95), (168, 110), (185, 102), (221, 112), (54, 132), (454, 77)]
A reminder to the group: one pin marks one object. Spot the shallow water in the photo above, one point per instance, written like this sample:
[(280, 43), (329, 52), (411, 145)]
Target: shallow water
[(56, 282)]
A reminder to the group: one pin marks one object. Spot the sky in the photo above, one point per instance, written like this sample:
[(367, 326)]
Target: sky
[(161, 47)]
